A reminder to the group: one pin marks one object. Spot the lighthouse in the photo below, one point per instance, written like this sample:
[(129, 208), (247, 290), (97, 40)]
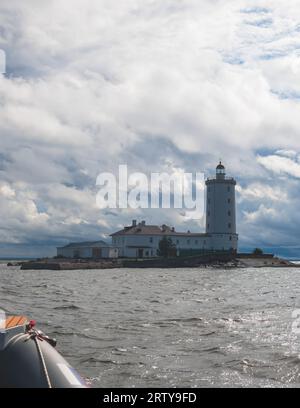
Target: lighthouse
[(220, 211)]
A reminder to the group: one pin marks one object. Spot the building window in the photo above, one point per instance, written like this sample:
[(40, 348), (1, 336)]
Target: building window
[(229, 201), (188, 241), (151, 239), (147, 253), (208, 213), (177, 242), (196, 242), (207, 226), (208, 189), (229, 225), (229, 213), (208, 200), (230, 238), (228, 189)]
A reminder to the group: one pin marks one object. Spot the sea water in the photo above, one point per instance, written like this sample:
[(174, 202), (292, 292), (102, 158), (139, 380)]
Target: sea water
[(199, 327)]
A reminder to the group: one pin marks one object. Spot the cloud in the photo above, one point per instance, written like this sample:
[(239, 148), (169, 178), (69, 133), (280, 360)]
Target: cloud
[(287, 153), (261, 214), (255, 10), (260, 192), (280, 165), (6, 191), (90, 86)]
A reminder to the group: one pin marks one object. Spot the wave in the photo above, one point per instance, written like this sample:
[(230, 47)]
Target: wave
[(65, 307)]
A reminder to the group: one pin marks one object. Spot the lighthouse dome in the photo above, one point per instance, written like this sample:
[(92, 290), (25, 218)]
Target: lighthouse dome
[(220, 171)]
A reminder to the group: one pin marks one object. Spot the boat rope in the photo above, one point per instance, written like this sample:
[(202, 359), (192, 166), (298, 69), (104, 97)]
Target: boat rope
[(36, 339)]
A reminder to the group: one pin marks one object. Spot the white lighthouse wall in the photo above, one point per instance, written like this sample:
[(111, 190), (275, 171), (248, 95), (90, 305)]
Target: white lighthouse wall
[(220, 207), (224, 242)]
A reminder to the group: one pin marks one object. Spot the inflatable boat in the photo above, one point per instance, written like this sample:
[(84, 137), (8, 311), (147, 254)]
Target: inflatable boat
[(28, 358)]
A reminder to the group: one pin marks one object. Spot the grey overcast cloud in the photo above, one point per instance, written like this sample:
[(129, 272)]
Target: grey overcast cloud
[(158, 85)]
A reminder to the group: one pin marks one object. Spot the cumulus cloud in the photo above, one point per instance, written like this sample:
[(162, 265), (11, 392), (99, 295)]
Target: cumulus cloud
[(280, 165), (90, 86), (260, 214), (260, 192)]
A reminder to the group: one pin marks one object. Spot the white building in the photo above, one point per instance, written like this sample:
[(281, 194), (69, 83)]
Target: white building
[(95, 250), (142, 241)]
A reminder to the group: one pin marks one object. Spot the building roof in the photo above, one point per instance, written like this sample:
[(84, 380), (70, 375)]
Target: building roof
[(220, 166), (164, 230), (85, 244)]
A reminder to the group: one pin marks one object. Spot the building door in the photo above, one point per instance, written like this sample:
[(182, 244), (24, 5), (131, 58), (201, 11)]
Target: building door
[(140, 253)]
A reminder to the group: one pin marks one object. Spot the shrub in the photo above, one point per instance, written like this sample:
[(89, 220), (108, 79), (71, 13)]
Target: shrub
[(257, 251)]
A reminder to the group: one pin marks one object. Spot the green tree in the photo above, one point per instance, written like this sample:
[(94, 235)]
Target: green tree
[(166, 248), (257, 251)]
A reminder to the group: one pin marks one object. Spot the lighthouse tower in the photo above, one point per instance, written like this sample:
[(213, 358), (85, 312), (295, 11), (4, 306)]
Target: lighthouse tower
[(220, 211)]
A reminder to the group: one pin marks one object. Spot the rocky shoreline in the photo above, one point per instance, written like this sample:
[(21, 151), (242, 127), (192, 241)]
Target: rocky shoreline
[(210, 261)]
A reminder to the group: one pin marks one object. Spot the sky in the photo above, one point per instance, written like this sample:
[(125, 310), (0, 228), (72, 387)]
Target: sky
[(157, 85)]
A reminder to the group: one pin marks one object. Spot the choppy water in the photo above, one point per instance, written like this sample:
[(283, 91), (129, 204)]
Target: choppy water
[(180, 327)]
